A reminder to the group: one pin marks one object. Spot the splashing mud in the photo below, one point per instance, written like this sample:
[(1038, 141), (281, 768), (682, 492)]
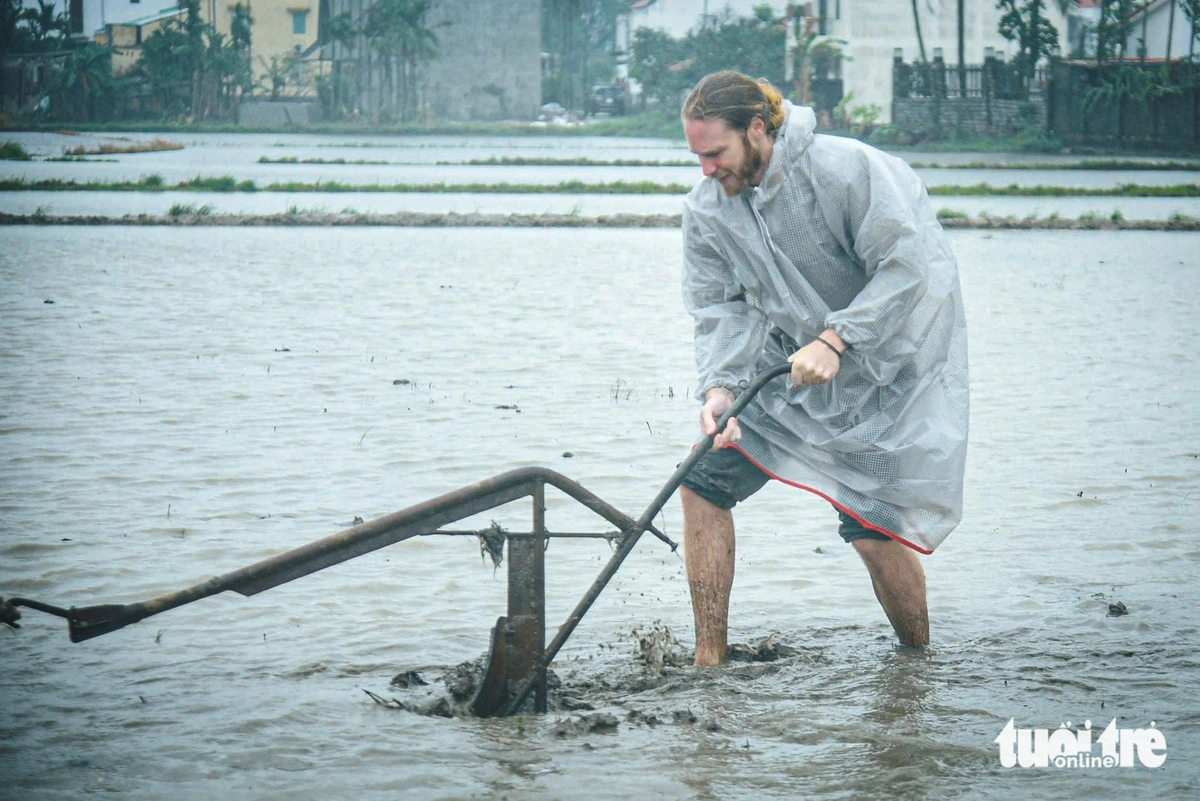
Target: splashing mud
[(657, 660)]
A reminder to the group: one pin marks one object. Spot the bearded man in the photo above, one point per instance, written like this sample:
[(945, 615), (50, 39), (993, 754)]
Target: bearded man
[(824, 252)]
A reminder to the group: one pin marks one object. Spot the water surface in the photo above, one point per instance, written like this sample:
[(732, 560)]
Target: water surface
[(195, 400)]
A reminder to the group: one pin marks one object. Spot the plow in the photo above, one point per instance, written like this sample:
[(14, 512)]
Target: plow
[(518, 654)]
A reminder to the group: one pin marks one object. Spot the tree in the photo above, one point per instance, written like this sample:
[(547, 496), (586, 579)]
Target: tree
[(917, 25), (578, 37), (396, 30), (1191, 10), (1113, 29), (277, 71), (194, 71), (654, 53), (47, 29), (83, 88), (334, 88), (752, 45), (666, 66), (14, 37), (813, 54), (1025, 24)]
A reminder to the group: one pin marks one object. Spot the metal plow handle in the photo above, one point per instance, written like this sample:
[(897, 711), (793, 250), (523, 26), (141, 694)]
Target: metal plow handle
[(643, 524), (421, 519)]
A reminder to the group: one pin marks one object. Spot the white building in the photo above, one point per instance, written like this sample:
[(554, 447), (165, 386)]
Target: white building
[(677, 17), (1151, 29), (87, 17), (872, 29)]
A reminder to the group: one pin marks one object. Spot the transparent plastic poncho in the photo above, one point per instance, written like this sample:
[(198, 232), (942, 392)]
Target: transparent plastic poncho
[(838, 235)]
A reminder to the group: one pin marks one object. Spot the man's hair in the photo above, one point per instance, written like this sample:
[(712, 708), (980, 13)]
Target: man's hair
[(735, 98)]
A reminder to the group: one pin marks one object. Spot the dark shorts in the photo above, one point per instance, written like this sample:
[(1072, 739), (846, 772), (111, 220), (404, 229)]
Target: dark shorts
[(725, 477)]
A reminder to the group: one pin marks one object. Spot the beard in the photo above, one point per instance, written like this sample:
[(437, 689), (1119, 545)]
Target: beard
[(733, 182)]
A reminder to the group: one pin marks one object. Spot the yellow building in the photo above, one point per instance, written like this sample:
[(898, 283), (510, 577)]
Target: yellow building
[(282, 31), (127, 37)]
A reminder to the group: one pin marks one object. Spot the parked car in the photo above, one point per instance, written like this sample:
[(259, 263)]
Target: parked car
[(607, 100)]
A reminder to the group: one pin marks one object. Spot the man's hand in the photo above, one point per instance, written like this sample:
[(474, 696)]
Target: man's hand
[(817, 362), (716, 402)]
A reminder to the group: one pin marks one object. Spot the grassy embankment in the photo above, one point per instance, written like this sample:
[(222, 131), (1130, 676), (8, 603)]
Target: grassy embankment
[(1107, 165), (655, 124), (191, 215), (13, 151), (228, 183)]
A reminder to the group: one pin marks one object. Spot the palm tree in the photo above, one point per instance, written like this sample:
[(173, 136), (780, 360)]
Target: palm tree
[(812, 49), (82, 87), (11, 15), (396, 30), (45, 25)]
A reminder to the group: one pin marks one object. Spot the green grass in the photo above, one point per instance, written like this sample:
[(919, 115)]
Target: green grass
[(655, 124), (216, 183), (12, 151), (1014, 190), (952, 214), (228, 183), (295, 160), (658, 124), (187, 214), (188, 210), (493, 161), (81, 158), (1111, 165), (582, 161)]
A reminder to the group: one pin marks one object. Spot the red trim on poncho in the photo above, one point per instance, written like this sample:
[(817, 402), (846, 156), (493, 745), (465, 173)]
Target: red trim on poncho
[(865, 523)]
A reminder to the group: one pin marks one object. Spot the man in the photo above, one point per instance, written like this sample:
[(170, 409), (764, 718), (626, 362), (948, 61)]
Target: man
[(826, 253)]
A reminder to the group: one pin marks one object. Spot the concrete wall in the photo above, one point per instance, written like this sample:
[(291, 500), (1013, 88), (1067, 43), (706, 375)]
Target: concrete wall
[(490, 66), (264, 113), (970, 116)]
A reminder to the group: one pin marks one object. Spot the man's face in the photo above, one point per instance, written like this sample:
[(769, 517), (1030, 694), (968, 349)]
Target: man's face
[(725, 154)]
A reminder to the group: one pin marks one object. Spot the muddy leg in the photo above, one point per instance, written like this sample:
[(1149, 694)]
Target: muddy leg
[(708, 544), (899, 583)]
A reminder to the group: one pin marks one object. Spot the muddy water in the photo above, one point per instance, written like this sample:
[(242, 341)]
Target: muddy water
[(116, 204), (435, 160), (193, 401)]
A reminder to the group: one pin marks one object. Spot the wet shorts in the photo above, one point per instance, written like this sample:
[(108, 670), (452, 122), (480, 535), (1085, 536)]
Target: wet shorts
[(724, 477)]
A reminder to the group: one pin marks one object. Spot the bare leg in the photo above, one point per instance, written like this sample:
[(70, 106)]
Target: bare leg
[(708, 545), (899, 583)]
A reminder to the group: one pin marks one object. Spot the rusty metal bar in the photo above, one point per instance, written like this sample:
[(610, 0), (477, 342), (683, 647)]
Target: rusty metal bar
[(559, 535), (634, 533), (518, 660), (422, 518)]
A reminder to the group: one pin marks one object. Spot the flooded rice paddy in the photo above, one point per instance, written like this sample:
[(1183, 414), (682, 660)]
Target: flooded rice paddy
[(118, 204), (180, 403), (456, 160)]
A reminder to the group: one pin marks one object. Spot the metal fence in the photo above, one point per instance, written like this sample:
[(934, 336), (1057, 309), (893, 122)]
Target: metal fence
[(1125, 103), (994, 79)]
